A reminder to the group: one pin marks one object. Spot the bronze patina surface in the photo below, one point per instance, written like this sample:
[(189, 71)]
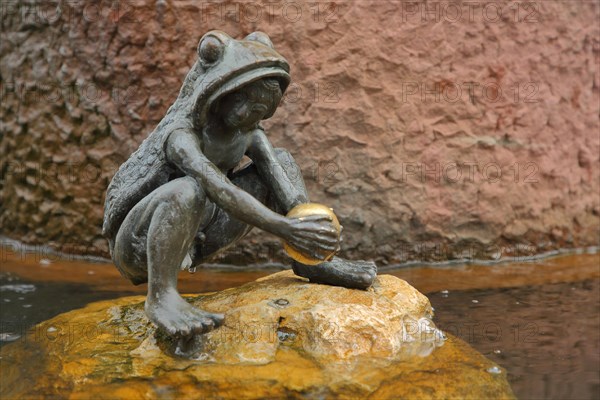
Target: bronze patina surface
[(206, 176)]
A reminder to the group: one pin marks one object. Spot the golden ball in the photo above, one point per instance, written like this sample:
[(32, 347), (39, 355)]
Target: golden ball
[(304, 210)]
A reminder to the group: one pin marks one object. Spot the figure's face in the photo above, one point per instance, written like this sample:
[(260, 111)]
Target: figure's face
[(226, 66), (246, 107)]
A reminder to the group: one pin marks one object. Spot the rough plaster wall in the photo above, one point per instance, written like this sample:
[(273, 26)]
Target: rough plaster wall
[(415, 168)]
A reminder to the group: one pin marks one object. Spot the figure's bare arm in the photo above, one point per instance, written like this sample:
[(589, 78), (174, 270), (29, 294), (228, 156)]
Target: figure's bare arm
[(183, 150), (284, 186), (311, 235)]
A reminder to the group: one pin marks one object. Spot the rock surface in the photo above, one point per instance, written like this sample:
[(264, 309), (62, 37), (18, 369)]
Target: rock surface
[(283, 337), (501, 159)]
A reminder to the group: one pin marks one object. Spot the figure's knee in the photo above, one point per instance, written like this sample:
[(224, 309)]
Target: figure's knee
[(183, 193), (180, 201)]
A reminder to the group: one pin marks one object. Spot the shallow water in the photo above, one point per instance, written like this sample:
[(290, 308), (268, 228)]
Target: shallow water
[(539, 320), (547, 337), (20, 309)]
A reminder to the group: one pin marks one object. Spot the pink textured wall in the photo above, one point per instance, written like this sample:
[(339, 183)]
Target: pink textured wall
[(435, 131)]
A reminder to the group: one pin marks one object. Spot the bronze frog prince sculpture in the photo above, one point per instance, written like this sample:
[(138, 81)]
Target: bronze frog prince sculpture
[(186, 193)]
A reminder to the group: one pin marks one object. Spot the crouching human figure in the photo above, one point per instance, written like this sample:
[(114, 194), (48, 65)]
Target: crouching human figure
[(206, 176)]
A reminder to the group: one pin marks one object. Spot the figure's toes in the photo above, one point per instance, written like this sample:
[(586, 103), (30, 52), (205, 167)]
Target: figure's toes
[(365, 279), (202, 325), (208, 324), (204, 322), (185, 330), (172, 327), (370, 267), (169, 329), (183, 327), (368, 274), (197, 326), (218, 319), (215, 319), (194, 320), (372, 272)]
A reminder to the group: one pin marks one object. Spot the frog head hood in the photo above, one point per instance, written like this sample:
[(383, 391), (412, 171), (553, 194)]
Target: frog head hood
[(225, 65)]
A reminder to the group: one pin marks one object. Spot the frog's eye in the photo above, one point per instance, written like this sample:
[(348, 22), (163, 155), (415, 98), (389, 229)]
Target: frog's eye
[(260, 37), (210, 50)]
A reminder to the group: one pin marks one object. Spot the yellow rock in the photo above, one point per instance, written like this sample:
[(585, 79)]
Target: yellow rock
[(282, 337)]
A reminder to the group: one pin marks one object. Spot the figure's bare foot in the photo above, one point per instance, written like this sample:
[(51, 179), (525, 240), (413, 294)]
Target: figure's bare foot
[(339, 272), (177, 317)]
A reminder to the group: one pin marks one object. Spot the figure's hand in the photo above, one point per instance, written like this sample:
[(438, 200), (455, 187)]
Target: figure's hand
[(313, 236)]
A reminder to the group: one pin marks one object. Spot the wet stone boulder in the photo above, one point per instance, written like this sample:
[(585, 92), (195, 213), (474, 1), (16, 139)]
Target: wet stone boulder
[(283, 337)]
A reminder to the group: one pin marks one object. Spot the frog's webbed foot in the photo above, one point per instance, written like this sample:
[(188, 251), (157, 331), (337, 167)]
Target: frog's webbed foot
[(339, 272)]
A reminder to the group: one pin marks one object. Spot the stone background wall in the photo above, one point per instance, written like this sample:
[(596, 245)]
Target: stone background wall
[(435, 130)]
